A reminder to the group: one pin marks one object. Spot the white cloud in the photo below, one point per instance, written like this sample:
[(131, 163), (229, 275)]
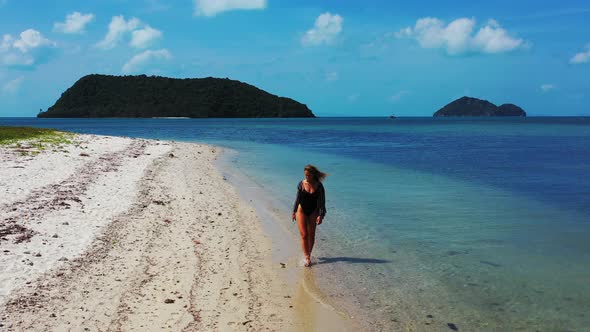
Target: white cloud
[(493, 39), (547, 87), (214, 7), (581, 57), (31, 39), (75, 23), (326, 29), (145, 58), (332, 76), (404, 33), (21, 52), (398, 96), (12, 87), (16, 59), (117, 28), (457, 37), (6, 43), (143, 38)]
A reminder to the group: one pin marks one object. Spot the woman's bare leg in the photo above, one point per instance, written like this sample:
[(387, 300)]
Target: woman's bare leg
[(302, 224), (311, 225)]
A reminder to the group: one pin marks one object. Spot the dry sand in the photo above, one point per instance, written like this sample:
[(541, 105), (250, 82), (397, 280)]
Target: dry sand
[(119, 234)]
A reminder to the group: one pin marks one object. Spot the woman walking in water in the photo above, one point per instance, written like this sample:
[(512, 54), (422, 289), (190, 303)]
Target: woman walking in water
[(309, 208)]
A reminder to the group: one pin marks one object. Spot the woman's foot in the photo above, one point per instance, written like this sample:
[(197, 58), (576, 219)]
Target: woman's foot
[(307, 261)]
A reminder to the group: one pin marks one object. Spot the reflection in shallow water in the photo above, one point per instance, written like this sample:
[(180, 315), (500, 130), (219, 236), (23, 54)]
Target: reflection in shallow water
[(314, 312), (350, 260)]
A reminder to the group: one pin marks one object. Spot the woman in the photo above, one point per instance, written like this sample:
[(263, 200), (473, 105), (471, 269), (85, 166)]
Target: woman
[(309, 208)]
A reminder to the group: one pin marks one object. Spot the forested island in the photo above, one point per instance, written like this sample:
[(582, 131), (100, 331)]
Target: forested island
[(468, 106), (100, 96)]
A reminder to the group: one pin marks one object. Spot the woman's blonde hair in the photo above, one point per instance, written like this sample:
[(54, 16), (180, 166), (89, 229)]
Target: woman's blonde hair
[(319, 175)]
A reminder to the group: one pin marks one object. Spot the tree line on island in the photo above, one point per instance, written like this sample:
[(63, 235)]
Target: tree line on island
[(468, 106), (98, 96)]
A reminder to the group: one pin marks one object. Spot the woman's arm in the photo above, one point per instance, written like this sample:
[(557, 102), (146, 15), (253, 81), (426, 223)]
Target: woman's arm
[(296, 204), (322, 201)]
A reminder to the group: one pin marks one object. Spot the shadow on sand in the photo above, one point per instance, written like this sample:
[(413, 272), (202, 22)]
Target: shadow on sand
[(350, 260)]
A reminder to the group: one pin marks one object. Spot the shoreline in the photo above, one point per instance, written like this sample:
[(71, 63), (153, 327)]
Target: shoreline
[(318, 311), (173, 252)]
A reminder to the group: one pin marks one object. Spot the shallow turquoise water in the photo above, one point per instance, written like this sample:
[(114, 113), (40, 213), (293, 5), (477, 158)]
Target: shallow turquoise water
[(482, 223), (403, 244)]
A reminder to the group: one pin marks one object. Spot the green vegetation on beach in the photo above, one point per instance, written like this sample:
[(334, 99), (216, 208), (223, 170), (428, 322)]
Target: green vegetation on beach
[(33, 140)]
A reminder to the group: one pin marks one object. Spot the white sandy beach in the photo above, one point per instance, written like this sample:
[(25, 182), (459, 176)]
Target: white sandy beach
[(120, 234)]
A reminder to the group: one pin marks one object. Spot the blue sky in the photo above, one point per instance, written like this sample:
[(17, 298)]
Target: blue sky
[(341, 58)]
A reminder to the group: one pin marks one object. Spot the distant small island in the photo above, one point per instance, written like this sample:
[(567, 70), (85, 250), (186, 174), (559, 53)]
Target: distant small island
[(99, 96), (468, 106)]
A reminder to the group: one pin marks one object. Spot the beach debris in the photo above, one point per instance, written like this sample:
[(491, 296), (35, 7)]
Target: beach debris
[(167, 221), (246, 322), (171, 155), (55, 236), (168, 301), (37, 254), (11, 228), (196, 242), (84, 154), (219, 213), (429, 316), (283, 265), (158, 202), (24, 236), (453, 326)]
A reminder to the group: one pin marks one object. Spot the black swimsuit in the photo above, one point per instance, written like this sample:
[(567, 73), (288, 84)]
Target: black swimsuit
[(308, 201), (311, 202)]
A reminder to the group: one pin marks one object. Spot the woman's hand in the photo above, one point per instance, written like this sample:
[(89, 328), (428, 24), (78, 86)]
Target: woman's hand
[(319, 220)]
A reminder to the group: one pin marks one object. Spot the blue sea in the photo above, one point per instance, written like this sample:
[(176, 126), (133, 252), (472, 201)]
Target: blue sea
[(433, 224)]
